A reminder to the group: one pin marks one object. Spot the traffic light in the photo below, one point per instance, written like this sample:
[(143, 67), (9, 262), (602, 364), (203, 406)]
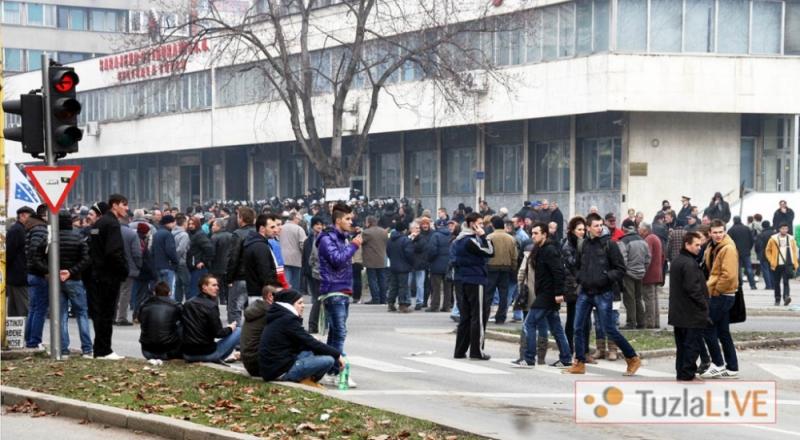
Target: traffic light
[(64, 110), (31, 130)]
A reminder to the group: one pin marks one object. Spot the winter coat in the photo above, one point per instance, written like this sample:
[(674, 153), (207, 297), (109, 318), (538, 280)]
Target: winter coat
[(147, 272), (133, 250), (16, 265), (688, 294), (401, 253), (558, 217), (165, 255), (780, 218), (683, 215), (549, 276), (760, 245), (283, 339), (470, 257), (527, 275), (439, 251), (570, 257), (292, 238), (107, 249), (655, 270), (35, 244), (236, 269), (723, 263), (200, 250), (73, 252), (160, 319), (505, 252), (721, 211), (773, 255), (201, 325), (374, 247), (222, 242), (420, 258), (335, 261), (313, 259), (742, 238), (636, 253), (258, 264), (601, 265), (181, 243), (255, 319)]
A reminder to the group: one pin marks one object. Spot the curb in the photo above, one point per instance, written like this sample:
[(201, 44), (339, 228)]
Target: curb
[(162, 426), (664, 352)]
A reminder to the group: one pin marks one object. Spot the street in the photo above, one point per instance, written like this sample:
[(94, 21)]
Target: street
[(23, 426)]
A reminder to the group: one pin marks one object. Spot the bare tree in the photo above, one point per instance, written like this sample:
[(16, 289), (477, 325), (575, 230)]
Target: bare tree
[(349, 54)]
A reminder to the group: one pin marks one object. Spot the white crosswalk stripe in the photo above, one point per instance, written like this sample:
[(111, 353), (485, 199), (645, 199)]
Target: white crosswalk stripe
[(620, 367), (782, 371), (464, 366), (538, 368), (377, 365)]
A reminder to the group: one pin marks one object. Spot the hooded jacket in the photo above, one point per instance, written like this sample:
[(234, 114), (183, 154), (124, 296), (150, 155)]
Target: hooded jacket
[(601, 265), (723, 261), (688, 294), (35, 244), (439, 250), (283, 339), (255, 319), (259, 264), (335, 261), (401, 253), (470, 256), (636, 254)]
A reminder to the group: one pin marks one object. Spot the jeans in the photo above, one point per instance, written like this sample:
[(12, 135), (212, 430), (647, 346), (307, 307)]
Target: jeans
[(141, 292), (309, 365), (600, 332), (72, 291), (719, 308), (398, 288), (224, 349), (499, 280), (292, 276), (376, 278), (744, 262), (688, 345), (417, 278), (194, 279), (37, 313), (603, 303), (766, 273), (336, 310), (182, 278), (781, 275), (168, 276), (237, 298), (535, 318)]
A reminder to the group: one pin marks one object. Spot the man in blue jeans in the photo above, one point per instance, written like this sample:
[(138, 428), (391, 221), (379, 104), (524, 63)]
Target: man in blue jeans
[(601, 265), (73, 260), (336, 273), (202, 326), (36, 261)]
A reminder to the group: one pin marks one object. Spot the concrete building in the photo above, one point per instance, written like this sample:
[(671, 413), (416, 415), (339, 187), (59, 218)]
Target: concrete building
[(616, 103)]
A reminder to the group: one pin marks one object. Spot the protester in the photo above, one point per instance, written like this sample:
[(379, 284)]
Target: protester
[(312, 272), (160, 318), (182, 276), (199, 256), (133, 255), (204, 338), (292, 237), (400, 251), (255, 319), (236, 273), (636, 253), (374, 257), (36, 233), (571, 248), (221, 240), (782, 215), (743, 239), (501, 267), (781, 252), (419, 263), (653, 277), (718, 209), (438, 256), (165, 255), (760, 248), (16, 271)]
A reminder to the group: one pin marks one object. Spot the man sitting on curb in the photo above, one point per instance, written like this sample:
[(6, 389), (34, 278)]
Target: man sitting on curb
[(288, 352), (255, 319), (201, 325), (160, 318)]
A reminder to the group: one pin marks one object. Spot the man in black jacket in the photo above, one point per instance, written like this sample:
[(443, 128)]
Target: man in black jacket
[(109, 269), (73, 260), (743, 238), (600, 267), (545, 259), (16, 271), (160, 318), (288, 352), (760, 246), (199, 256), (259, 263), (688, 306), (235, 273), (39, 292), (201, 326), (400, 251), (221, 240)]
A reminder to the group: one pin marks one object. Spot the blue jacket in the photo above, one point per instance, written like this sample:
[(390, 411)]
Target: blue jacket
[(335, 261), (439, 250), (163, 250), (471, 255), (400, 250)]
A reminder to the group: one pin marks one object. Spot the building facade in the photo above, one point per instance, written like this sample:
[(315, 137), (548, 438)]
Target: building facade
[(615, 104)]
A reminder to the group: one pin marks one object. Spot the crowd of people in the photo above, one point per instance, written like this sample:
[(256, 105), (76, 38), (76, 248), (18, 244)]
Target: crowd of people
[(170, 270)]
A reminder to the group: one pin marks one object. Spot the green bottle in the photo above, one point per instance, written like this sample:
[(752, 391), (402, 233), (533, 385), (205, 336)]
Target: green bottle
[(344, 377)]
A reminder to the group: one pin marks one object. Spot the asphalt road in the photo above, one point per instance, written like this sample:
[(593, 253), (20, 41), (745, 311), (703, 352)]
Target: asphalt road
[(23, 426)]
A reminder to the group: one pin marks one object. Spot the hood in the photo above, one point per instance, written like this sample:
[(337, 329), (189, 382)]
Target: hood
[(465, 232), (34, 221), (276, 311), (253, 238), (257, 309)]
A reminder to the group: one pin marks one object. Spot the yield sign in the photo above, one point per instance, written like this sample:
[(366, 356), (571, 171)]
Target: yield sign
[(53, 183)]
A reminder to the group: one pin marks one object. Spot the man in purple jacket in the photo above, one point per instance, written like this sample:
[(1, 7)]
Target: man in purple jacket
[(336, 273)]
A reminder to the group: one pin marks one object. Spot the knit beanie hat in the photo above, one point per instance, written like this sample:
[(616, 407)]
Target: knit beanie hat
[(288, 296)]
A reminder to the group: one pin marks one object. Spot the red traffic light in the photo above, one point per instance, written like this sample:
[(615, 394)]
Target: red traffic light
[(66, 82)]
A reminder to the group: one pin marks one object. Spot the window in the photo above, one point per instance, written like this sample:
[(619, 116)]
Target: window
[(103, 20), (747, 164), (504, 157), (385, 174), (421, 163), (733, 22), (600, 164), (698, 33), (72, 57), (551, 166), (35, 14), (508, 41), (766, 38), (791, 45), (265, 179), (11, 13), (632, 25), (72, 18), (34, 59), (584, 27), (665, 25), (460, 170), (533, 35), (12, 60), (566, 30), (549, 33)]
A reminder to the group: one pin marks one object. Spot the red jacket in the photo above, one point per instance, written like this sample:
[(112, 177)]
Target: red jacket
[(617, 234), (655, 271)]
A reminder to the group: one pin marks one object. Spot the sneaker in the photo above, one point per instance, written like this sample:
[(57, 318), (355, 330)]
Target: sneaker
[(559, 364), (633, 365), (87, 356), (351, 383), (522, 363), (787, 301), (155, 362), (577, 367), (330, 379), (702, 368), (111, 357), (729, 374), (418, 307), (713, 371), (234, 357)]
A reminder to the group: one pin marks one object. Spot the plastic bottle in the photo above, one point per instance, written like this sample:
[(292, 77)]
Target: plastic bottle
[(344, 377)]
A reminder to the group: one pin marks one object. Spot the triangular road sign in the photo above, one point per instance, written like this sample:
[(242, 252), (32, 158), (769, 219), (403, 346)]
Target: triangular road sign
[(53, 183)]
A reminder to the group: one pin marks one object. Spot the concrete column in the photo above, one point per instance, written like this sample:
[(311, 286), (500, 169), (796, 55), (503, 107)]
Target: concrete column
[(526, 164), (402, 165), (572, 166), (438, 137), (795, 147), (625, 168)]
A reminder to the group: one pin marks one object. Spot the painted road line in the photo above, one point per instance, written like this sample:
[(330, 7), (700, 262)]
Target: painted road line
[(435, 393), (539, 368), (385, 367), (620, 367), (782, 371), (463, 366)]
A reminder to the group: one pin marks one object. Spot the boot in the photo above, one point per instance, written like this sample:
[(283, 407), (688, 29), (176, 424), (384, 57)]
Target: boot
[(541, 350), (611, 353), (601, 349), (633, 364), (405, 308), (577, 367)]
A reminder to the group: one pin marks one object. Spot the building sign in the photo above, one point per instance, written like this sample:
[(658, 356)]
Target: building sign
[(152, 62), (638, 168), (15, 331)]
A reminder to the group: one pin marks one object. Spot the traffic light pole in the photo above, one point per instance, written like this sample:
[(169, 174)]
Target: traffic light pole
[(53, 239)]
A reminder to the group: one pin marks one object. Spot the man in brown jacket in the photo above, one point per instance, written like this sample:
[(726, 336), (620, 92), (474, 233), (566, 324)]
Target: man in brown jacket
[(723, 281), (501, 266), (374, 257)]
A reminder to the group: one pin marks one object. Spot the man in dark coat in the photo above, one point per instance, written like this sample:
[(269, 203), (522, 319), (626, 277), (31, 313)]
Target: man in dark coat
[(73, 260), (688, 306), (199, 257), (16, 270), (743, 238), (782, 215), (109, 269), (221, 239), (204, 338), (260, 268), (160, 318), (439, 258), (760, 246), (400, 250), (36, 267)]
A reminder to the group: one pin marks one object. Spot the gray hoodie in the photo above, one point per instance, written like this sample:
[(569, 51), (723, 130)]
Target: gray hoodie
[(636, 254)]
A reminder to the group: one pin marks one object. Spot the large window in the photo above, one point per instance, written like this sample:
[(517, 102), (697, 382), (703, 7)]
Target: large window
[(666, 25), (421, 163), (72, 18), (384, 173), (747, 164), (292, 176), (600, 164), (34, 59), (566, 30), (12, 60), (103, 20), (11, 13), (458, 155), (698, 33), (504, 157), (766, 27), (551, 166), (632, 25), (733, 22), (792, 31)]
